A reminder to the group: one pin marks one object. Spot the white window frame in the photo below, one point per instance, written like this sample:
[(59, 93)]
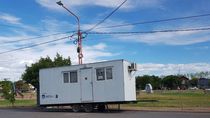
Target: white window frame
[(76, 77), (64, 77), (69, 76), (111, 73), (104, 75)]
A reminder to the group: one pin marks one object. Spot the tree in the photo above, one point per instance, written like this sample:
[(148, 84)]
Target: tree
[(141, 81), (193, 82), (8, 91), (205, 74), (156, 82), (60, 61), (171, 82), (31, 74)]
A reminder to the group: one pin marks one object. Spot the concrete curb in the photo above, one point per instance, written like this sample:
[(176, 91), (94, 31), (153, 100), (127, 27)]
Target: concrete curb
[(168, 109), (141, 109)]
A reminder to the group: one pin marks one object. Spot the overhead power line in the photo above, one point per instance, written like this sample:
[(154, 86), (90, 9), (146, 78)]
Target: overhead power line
[(35, 45), (37, 37), (114, 26), (154, 31), (4, 25), (96, 25), (21, 27), (110, 33), (156, 21)]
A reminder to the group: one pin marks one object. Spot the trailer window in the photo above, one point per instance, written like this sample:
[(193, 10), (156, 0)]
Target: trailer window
[(109, 73), (66, 77), (73, 77), (100, 74)]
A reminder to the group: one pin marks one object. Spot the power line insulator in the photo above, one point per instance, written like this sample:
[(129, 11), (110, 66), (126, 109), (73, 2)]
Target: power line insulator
[(80, 55), (78, 50)]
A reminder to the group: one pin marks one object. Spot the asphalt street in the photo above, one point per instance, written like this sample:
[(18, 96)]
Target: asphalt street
[(36, 113)]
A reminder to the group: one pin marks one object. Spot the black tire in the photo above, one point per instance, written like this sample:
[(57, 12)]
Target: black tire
[(76, 108), (101, 107), (88, 107), (42, 107)]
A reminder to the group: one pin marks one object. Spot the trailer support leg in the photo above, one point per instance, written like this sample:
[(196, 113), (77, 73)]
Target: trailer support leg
[(107, 107), (118, 107)]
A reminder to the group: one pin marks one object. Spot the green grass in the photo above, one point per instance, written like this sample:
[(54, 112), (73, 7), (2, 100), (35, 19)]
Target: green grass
[(5, 103), (173, 99)]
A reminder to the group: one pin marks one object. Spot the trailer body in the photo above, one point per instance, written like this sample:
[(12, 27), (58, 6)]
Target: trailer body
[(101, 82)]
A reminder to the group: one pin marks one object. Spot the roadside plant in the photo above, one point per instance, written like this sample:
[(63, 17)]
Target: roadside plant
[(8, 91)]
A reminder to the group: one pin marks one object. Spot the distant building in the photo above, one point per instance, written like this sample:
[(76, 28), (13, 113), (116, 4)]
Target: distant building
[(32, 88), (184, 82), (203, 83)]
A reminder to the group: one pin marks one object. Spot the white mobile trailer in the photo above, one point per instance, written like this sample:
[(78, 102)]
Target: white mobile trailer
[(88, 85)]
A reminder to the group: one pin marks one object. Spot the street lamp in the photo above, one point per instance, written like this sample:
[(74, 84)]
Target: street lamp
[(79, 41)]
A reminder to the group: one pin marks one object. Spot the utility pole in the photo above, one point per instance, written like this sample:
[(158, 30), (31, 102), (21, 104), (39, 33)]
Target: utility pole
[(79, 33)]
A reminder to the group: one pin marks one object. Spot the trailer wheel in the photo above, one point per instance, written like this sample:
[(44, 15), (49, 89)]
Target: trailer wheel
[(42, 107), (76, 108), (88, 107), (101, 107)]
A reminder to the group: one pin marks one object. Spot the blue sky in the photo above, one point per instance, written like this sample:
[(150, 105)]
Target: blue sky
[(158, 53)]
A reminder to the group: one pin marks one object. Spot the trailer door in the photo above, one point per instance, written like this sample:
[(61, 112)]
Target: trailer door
[(86, 85)]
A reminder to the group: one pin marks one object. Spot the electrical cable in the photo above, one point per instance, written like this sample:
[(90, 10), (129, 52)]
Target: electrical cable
[(138, 32), (155, 21), (154, 31), (114, 26), (35, 45), (4, 25), (37, 37), (96, 25)]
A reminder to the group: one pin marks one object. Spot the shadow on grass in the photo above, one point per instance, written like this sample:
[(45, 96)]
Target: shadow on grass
[(147, 100)]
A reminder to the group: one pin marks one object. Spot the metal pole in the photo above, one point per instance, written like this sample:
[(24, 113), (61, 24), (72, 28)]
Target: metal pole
[(79, 40)]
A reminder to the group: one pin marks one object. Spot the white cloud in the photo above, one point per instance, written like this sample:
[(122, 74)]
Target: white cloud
[(16, 21), (147, 3), (168, 69), (54, 25), (130, 4), (13, 66), (102, 27), (3, 69), (100, 46), (9, 18), (168, 38), (51, 4)]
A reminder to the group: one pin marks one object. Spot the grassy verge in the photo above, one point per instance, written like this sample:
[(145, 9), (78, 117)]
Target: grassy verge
[(158, 100), (5, 103), (175, 99)]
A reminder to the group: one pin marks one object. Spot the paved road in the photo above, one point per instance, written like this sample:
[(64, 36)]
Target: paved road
[(35, 113)]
